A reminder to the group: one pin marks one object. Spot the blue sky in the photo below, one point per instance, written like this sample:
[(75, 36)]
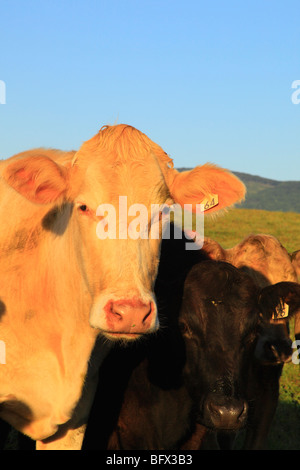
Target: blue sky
[(208, 81)]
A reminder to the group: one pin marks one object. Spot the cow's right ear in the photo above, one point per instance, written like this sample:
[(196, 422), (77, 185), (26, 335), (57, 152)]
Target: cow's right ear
[(272, 299), (39, 179)]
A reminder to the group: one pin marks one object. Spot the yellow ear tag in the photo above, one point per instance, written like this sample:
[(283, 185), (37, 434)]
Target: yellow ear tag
[(211, 201), (216, 302), (281, 311)]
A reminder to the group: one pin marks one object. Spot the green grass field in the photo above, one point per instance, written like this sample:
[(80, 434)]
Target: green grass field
[(236, 224), (229, 230)]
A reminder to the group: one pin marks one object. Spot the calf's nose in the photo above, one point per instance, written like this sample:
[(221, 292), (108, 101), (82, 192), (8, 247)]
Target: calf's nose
[(130, 316), (224, 413)]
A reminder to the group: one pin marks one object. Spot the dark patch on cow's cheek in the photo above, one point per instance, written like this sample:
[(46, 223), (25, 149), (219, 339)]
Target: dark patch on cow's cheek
[(22, 240), (2, 309), (57, 219), (18, 242)]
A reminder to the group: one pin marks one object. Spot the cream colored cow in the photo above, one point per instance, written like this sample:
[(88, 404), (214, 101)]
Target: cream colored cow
[(62, 286)]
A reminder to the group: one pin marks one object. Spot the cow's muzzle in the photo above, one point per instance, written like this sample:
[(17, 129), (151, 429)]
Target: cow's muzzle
[(224, 413), (126, 318)]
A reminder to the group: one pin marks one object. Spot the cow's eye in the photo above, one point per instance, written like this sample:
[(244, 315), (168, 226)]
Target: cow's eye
[(83, 208)]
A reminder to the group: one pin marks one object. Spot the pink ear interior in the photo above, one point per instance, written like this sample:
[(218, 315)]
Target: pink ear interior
[(38, 179)]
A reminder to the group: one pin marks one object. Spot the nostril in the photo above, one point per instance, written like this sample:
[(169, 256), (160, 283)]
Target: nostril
[(244, 411), (214, 409), (149, 309), (117, 315), (112, 310)]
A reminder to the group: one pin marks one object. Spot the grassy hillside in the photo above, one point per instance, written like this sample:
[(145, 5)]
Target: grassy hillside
[(236, 224), (284, 197), (255, 184), (230, 229), (270, 195)]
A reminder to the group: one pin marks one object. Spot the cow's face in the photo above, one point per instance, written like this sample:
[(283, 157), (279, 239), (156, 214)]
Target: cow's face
[(120, 258), (119, 270), (221, 315), (218, 321)]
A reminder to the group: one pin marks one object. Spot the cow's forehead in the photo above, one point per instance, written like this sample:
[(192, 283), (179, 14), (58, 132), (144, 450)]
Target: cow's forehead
[(140, 183)]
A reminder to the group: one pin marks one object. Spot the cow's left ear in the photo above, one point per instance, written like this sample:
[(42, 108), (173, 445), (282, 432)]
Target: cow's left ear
[(272, 299), (39, 179), (208, 184)]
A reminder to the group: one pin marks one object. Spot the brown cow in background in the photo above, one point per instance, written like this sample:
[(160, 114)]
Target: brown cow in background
[(268, 262)]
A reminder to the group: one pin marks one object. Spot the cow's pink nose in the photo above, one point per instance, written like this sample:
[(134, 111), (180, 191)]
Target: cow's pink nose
[(130, 316)]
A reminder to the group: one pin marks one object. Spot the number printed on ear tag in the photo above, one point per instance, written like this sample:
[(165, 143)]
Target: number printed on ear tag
[(281, 311), (211, 201)]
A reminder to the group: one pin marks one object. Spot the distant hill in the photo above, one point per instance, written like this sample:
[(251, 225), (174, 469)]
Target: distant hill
[(267, 194), (270, 195)]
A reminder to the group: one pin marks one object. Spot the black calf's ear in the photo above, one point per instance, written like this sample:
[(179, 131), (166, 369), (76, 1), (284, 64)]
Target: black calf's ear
[(272, 300)]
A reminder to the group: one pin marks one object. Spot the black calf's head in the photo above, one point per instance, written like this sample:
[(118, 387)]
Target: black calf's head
[(274, 345), (222, 311)]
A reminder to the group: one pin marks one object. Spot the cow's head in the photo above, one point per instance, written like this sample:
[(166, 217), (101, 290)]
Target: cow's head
[(221, 314), (274, 345), (119, 270), (267, 262)]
